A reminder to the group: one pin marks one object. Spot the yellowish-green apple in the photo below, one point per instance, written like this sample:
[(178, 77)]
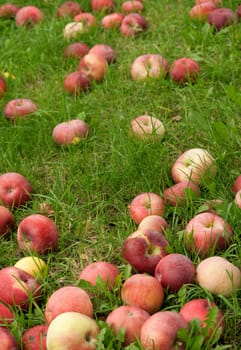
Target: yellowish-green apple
[(34, 265)]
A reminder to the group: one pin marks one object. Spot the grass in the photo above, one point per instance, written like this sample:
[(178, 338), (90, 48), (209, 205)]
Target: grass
[(90, 185)]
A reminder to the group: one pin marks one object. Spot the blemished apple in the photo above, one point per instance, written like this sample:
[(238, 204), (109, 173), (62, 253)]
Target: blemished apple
[(68, 299), (6, 315), (34, 338), (180, 193), (102, 5), (207, 233), (144, 249), (70, 132), (15, 190), (131, 318), (33, 265), (19, 108), (29, 16), (76, 50), (8, 341), (68, 9), (77, 82), (200, 11), (94, 66), (144, 291), (132, 6), (100, 269), (153, 222), (144, 204), (73, 30), (218, 275), (8, 10), (237, 184), (133, 24), (175, 270), (3, 86), (146, 127), (184, 70), (221, 17), (195, 164), (37, 233), (71, 331), (17, 287), (112, 20), (7, 220), (237, 198), (87, 19), (149, 66), (105, 50), (160, 331)]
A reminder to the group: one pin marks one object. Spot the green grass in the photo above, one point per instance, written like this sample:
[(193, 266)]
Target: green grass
[(90, 185)]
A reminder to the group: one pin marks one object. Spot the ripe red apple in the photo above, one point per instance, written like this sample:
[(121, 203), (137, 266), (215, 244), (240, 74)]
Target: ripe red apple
[(143, 291), (68, 9), (180, 193), (77, 82), (104, 50), (87, 18), (184, 70), (200, 11), (160, 331), (15, 189), (76, 50), (8, 341), (8, 10), (37, 233), (29, 16), (67, 299), (144, 249), (34, 338), (218, 275), (146, 127), (17, 287), (132, 6), (94, 66), (221, 17), (112, 20), (100, 269), (149, 66), (3, 86), (18, 108), (6, 221), (153, 222), (237, 184), (131, 318), (70, 132), (206, 233), (133, 24), (102, 5), (144, 204), (237, 198), (175, 270), (6, 315)]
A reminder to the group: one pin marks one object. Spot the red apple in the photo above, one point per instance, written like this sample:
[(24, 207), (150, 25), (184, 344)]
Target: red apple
[(77, 82), (69, 9), (94, 66), (15, 189), (76, 50), (144, 249), (102, 5), (3, 86), (8, 10), (6, 221), (112, 20), (238, 12), (8, 341), (29, 16), (237, 184), (133, 24), (6, 315), (144, 204), (175, 270), (237, 198), (149, 66), (34, 338), (146, 127), (37, 233), (184, 70), (180, 193), (88, 19), (68, 299), (143, 291), (153, 222), (18, 108), (221, 17), (132, 6), (200, 11), (104, 50), (131, 318), (70, 132)]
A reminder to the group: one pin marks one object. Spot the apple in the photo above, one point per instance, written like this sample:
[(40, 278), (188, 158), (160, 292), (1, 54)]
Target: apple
[(15, 190), (160, 331), (238, 12), (34, 338), (8, 341), (237, 199), (132, 6), (221, 17), (200, 11), (19, 107), (194, 165), (94, 66), (112, 20), (146, 127), (6, 315), (100, 269), (87, 19), (29, 16), (6, 221), (143, 291), (206, 233), (72, 331), (17, 287), (184, 70), (70, 132), (73, 29), (104, 50), (144, 249), (8, 10), (218, 275), (153, 222), (77, 82), (37, 233), (102, 5), (175, 270), (237, 184), (33, 265), (131, 318), (149, 66), (67, 299), (3, 86), (76, 50), (133, 24), (68, 9), (144, 204), (180, 193)]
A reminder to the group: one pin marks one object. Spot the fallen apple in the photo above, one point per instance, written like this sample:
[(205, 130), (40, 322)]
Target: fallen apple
[(77, 82), (104, 50), (87, 19), (76, 50), (6, 221), (102, 5), (8, 341), (29, 16), (6, 315), (68, 9), (73, 30), (221, 17), (8, 10), (237, 198), (133, 24), (184, 70), (132, 6), (3, 86), (19, 108), (33, 265), (94, 66), (112, 20), (146, 127), (200, 11), (237, 184), (34, 338), (153, 222), (149, 66), (180, 193), (70, 132)]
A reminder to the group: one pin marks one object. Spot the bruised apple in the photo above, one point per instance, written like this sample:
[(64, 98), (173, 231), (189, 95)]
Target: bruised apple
[(149, 66), (184, 70), (133, 24), (77, 82), (94, 66), (76, 50), (112, 20), (68, 9), (146, 127), (6, 221), (180, 193), (34, 338), (70, 132), (29, 16), (19, 107)]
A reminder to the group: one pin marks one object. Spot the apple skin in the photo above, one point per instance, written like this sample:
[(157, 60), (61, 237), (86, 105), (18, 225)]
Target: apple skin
[(16, 287), (8, 10), (112, 20), (143, 291), (76, 50), (221, 17), (206, 233), (68, 299), (3, 86), (144, 249), (29, 16), (19, 108), (131, 318), (37, 233), (149, 66), (153, 222), (7, 221), (194, 165), (70, 132), (8, 341), (77, 82), (218, 275), (146, 127), (159, 331), (94, 66), (177, 194), (103, 269), (33, 265), (132, 6), (175, 270), (6, 315), (102, 5), (68, 9), (144, 204), (15, 190), (133, 24), (200, 11), (237, 184), (237, 199), (105, 50), (184, 70), (34, 338), (72, 331)]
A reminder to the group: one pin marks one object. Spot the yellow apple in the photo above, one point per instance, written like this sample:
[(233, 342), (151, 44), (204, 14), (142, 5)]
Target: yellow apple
[(35, 266)]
